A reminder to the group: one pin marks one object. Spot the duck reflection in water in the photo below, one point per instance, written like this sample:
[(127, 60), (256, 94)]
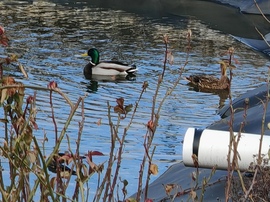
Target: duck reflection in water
[(93, 85), (223, 94)]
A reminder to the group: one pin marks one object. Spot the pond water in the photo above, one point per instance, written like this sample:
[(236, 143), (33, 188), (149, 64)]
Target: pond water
[(49, 37)]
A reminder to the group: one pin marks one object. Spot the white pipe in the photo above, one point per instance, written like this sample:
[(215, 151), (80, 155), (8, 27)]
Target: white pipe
[(211, 148)]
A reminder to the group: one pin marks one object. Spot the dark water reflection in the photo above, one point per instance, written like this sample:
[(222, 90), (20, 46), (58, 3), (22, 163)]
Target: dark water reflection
[(49, 36)]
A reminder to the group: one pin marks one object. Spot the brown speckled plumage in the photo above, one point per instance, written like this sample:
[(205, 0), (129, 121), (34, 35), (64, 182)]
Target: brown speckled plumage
[(210, 82)]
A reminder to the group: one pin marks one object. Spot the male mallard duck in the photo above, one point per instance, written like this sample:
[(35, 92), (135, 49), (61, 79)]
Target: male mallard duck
[(65, 171), (106, 68), (210, 82)]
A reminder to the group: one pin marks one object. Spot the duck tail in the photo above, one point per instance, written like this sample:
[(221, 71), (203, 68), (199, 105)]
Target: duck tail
[(132, 69)]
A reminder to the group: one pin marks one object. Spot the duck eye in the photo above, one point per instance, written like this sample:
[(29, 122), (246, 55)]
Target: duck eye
[(90, 52)]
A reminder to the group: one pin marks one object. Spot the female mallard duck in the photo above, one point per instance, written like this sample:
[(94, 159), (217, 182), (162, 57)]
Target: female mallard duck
[(210, 82), (106, 68)]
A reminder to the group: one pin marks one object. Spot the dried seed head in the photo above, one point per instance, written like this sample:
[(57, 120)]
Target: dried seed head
[(166, 39), (2, 30), (145, 85), (231, 50), (52, 85), (189, 33)]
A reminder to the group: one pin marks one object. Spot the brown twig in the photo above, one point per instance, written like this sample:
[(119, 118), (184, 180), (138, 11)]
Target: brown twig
[(155, 115), (261, 11)]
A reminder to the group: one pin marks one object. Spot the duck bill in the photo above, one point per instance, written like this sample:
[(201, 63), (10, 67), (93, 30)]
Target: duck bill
[(84, 55)]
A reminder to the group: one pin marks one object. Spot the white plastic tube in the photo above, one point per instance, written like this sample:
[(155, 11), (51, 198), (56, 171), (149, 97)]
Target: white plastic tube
[(211, 148)]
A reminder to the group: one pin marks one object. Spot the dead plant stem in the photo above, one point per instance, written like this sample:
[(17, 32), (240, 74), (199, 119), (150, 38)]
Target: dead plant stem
[(149, 171), (107, 177), (258, 7), (263, 120), (155, 117), (46, 176), (63, 132), (231, 140), (53, 119)]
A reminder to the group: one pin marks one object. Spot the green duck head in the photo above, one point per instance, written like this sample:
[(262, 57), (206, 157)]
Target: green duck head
[(94, 54)]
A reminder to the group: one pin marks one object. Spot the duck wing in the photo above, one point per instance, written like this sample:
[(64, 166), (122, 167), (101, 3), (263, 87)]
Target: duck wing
[(200, 79), (208, 82), (113, 68), (128, 68)]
